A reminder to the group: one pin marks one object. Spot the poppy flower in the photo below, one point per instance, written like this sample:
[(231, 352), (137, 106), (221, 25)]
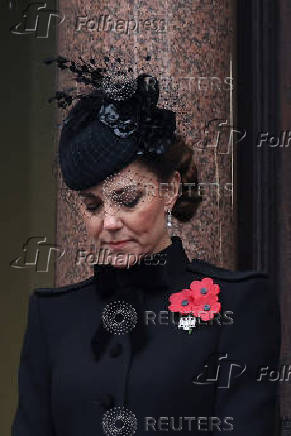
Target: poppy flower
[(204, 289), (182, 301), (201, 300), (206, 311)]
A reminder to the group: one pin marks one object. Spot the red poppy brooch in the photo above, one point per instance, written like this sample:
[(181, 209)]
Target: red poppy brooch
[(200, 301)]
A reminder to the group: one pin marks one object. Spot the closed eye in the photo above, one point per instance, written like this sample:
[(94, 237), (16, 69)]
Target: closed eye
[(131, 203), (127, 199), (126, 203), (93, 207)]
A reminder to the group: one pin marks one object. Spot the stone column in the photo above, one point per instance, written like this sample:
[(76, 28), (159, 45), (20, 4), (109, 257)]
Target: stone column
[(188, 45)]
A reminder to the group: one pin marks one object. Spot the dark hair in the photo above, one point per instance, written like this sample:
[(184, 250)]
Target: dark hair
[(180, 158)]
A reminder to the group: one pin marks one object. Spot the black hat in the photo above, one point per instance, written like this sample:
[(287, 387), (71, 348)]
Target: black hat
[(111, 126)]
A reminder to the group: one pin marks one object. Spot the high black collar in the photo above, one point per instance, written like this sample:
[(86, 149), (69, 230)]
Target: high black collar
[(149, 276), (133, 284)]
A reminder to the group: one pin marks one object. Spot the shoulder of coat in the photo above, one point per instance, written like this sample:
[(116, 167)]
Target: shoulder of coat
[(205, 268), (45, 292)]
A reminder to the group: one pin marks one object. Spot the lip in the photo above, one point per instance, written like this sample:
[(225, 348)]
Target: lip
[(119, 243)]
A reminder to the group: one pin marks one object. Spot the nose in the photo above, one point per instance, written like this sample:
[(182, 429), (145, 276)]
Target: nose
[(111, 222)]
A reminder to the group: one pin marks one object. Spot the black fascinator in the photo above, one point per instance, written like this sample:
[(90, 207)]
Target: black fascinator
[(110, 126)]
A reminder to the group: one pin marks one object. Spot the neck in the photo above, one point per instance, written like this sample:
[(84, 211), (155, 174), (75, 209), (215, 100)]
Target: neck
[(164, 242), (159, 272)]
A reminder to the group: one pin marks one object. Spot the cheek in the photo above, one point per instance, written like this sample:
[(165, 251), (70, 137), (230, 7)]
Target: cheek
[(148, 216)]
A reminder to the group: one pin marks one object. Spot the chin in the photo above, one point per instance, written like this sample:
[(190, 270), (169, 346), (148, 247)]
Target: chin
[(122, 259), (121, 266)]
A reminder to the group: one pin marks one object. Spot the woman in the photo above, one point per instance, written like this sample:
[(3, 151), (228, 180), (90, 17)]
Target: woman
[(113, 354)]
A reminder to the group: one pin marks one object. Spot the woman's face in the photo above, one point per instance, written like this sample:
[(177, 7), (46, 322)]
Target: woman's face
[(129, 206)]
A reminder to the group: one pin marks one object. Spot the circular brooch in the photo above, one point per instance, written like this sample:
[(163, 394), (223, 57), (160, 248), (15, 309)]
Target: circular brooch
[(119, 317), (119, 421)]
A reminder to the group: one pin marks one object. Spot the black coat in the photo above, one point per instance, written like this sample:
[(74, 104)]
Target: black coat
[(74, 371)]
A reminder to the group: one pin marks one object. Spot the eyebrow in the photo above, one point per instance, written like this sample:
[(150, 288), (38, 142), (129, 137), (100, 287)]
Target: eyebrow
[(86, 194), (117, 191)]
